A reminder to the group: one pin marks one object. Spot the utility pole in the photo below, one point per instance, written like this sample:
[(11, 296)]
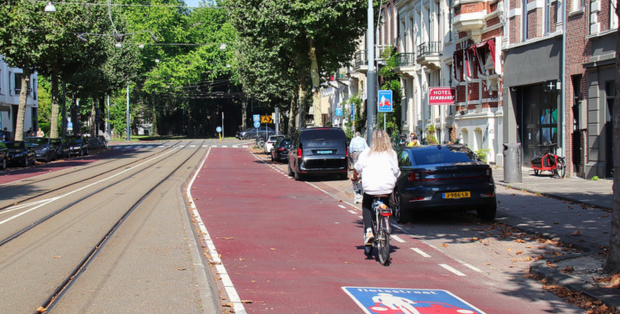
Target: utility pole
[(128, 129), (371, 102)]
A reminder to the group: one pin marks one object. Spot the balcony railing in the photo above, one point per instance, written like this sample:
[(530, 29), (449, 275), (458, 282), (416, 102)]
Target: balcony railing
[(405, 59), (428, 48)]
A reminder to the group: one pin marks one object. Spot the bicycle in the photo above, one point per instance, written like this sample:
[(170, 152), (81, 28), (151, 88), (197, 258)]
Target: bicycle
[(549, 161), (381, 229)]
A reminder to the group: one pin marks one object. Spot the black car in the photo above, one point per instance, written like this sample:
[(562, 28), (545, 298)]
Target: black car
[(78, 145), (443, 178), (252, 133), (62, 147), (279, 152), (319, 150), (4, 155), (20, 153), (43, 148), (6, 136)]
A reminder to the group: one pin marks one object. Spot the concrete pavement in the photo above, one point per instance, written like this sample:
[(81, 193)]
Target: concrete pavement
[(588, 232)]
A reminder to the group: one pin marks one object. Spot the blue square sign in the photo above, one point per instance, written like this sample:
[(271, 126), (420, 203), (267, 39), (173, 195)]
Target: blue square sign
[(408, 301), (384, 97)]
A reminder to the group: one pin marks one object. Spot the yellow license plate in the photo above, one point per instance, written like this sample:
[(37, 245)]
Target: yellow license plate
[(453, 195)]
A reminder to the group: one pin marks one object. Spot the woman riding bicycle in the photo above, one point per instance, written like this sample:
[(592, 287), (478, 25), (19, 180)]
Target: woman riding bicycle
[(379, 166)]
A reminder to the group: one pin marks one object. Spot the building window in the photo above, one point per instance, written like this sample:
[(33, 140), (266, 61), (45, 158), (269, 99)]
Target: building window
[(524, 20), (18, 83), (34, 89), (1, 80), (450, 16), (549, 20), (576, 5)]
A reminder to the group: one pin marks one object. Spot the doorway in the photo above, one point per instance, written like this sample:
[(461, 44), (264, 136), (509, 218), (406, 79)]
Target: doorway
[(539, 119)]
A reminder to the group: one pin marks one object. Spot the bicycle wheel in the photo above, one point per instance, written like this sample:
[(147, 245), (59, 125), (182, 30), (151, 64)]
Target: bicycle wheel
[(560, 168), (383, 243)]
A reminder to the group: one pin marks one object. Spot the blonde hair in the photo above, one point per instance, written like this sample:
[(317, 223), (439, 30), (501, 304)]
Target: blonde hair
[(380, 142)]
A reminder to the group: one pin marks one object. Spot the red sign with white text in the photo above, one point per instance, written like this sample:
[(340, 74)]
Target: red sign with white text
[(441, 96)]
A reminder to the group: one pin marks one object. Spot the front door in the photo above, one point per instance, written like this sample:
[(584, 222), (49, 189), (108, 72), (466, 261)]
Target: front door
[(539, 120)]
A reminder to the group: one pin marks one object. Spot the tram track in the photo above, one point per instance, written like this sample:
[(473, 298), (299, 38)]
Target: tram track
[(56, 295), (10, 188)]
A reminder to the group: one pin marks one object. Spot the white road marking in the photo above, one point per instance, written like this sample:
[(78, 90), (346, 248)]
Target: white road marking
[(456, 272), (397, 238), (341, 206), (213, 256), (352, 211), (420, 252)]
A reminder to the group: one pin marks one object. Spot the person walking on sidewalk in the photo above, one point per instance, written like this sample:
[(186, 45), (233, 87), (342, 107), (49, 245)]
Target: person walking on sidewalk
[(378, 164), (357, 145)]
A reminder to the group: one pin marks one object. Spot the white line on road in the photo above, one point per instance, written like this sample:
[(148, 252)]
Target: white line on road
[(352, 211), (341, 206), (397, 238), (456, 272), (417, 250)]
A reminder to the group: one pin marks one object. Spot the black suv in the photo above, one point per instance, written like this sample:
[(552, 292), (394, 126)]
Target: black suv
[(318, 151)]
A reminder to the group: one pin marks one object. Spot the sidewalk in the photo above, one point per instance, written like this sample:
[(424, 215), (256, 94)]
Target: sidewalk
[(593, 225)]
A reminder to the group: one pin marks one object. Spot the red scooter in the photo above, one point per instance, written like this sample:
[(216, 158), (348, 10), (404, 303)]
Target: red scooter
[(549, 161)]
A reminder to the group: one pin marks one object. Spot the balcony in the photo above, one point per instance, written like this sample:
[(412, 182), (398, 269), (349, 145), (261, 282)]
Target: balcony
[(360, 60), (429, 54), (470, 16)]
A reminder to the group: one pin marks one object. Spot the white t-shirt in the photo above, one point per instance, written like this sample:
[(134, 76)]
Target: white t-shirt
[(379, 171)]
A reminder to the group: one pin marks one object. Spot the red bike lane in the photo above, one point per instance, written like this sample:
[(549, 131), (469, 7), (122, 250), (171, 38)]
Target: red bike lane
[(289, 247)]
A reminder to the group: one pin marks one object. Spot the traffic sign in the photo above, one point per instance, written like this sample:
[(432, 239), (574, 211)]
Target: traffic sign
[(266, 119), (256, 117), (218, 129), (338, 111), (385, 101)]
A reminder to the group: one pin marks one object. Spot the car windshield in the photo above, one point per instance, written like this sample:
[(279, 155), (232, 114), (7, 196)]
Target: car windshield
[(442, 155), (74, 140), (15, 145), (322, 138), (36, 141)]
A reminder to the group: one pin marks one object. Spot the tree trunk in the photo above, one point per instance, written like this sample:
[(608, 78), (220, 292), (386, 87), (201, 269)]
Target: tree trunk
[(93, 118), (23, 99), (244, 113), (55, 107), (612, 265), (316, 95), (74, 117), (292, 116)]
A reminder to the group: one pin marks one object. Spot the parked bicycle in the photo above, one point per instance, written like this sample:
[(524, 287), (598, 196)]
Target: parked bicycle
[(381, 229), (549, 161)]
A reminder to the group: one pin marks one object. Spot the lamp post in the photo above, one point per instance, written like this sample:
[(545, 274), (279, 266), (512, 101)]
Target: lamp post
[(128, 129), (371, 104)]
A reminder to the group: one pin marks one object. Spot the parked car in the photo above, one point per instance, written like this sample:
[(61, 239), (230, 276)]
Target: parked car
[(4, 155), (20, 153), (443, 178), (252, 133), (78, 145), (62, 147), (271, 141), (43, 148), (316, 151), (280, 149)]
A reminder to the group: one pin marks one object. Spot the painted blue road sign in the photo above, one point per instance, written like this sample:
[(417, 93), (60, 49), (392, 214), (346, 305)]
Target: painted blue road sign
[(385, 101), (218, 129), (256, 117), (408, 301), (256, 124), (352, 112)]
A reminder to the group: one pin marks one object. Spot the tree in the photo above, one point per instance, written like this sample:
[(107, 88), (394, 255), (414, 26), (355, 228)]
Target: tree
[(312, 39), (612, 264), (391, 81)]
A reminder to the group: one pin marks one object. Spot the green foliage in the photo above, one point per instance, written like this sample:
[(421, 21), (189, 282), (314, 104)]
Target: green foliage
[(391, 81), (595, 178), (482, 154), (431, 139)]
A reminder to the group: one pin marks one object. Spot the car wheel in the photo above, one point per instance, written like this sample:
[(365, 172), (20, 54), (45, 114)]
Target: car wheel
[(399, 214), (26, 162), (487, 213), (3, 164)]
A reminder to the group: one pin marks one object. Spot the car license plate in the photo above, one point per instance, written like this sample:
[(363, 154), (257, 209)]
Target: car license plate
[(453, 195), (324, 152)]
